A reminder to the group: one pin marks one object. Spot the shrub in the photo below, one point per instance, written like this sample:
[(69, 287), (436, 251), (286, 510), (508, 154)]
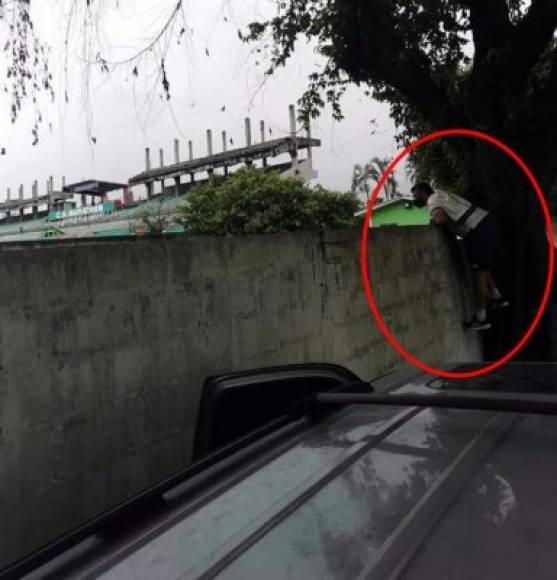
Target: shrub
[(254, 201)]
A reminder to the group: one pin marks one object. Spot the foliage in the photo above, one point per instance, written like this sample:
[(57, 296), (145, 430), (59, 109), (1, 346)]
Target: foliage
[(416, 56), (253, 201), (26, 71), (152, 219), (372, 172)]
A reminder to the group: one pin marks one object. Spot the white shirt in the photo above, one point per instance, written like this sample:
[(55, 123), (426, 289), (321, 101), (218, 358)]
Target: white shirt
[(455, 207)]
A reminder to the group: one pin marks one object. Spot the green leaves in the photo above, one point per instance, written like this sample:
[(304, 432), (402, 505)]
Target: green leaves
[(254, 201)]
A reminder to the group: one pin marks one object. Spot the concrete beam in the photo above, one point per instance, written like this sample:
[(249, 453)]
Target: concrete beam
[(273, 148)]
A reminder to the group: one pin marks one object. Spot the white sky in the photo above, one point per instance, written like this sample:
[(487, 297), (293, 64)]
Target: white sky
[(125, 113)]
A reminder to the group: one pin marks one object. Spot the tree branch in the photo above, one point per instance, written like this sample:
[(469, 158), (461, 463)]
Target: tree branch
[(530, 38), (490, 24), (373, 47)]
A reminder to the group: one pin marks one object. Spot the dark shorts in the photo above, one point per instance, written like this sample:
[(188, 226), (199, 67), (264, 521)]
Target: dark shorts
[(482, 243)]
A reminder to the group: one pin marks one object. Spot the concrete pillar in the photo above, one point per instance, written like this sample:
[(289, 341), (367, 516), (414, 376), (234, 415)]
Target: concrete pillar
[(248, 137), (292, 115), (309, 149), (294, 148), (190, 151), (176, 160), (262, 132), (209, 142), (149, 186), (209, 148), (224, 145), (35, 196), (21, 199), (247, 123)]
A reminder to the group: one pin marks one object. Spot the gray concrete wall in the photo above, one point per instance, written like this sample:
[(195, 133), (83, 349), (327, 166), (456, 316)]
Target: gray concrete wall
[(104, 346)]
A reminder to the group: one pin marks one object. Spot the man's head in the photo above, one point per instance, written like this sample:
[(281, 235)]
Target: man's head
[(421, 191)]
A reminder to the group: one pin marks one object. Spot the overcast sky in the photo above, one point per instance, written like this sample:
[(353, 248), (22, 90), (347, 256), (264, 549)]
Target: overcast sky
[(126, 114)]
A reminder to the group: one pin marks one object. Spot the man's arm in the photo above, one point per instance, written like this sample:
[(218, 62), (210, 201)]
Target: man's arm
[(439, 216)]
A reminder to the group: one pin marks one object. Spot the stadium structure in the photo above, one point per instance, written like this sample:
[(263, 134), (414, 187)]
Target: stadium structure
[(97, 208)]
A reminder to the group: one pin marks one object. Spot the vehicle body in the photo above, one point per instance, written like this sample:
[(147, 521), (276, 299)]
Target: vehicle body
[(306, 472)]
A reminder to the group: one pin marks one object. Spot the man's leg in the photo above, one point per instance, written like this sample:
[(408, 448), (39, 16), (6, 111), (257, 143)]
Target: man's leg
[(496, 299), (480, 279)]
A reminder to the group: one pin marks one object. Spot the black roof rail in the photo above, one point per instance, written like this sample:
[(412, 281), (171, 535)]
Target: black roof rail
[(540, 405)]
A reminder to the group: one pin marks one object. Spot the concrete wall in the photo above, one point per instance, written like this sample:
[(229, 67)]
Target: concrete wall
[(104, 346)]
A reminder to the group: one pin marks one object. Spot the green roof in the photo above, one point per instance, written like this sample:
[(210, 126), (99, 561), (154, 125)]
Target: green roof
[(399, 212)]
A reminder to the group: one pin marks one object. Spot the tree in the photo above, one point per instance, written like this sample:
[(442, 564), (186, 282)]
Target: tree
[(487, 65), (252, 201), (363, 176)]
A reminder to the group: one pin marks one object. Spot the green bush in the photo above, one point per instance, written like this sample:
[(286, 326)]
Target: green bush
[(253, 201)]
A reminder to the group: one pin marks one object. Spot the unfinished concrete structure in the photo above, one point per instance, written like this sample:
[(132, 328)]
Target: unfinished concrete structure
[(247, 155)]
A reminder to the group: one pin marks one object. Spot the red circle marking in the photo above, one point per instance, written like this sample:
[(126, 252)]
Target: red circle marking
[(364, 267)]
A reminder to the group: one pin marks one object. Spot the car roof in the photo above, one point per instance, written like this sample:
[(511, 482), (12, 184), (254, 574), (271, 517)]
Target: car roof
[(363, 491)]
